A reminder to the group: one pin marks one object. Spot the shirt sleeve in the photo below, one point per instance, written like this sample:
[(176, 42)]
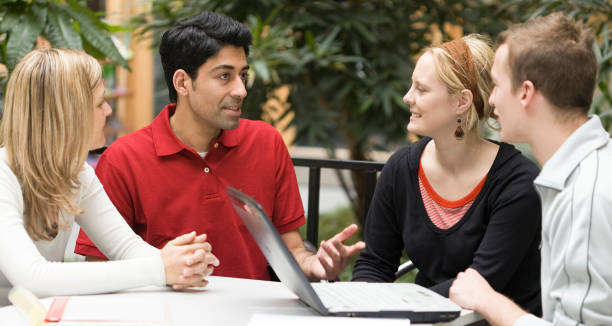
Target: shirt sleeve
[(105, 226), (379, 261), (23, 264), (530, 320), (288, 212), (118, 192)]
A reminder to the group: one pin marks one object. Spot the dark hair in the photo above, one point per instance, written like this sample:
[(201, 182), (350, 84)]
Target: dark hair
[(190, 42), (556, 54)]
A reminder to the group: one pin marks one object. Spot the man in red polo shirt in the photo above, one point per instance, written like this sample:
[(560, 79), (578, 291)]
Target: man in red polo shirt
[(169, 178)]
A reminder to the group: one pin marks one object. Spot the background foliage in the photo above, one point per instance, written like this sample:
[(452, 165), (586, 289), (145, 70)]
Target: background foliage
[(348, 63), (63, 23)]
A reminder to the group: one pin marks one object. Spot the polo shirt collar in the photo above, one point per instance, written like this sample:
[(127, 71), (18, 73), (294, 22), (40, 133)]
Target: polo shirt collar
[(165, 141), (584, 140), (229, 138)]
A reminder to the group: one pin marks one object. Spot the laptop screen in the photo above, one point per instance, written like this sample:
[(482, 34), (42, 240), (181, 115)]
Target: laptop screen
[(290, 273), (274, 248)]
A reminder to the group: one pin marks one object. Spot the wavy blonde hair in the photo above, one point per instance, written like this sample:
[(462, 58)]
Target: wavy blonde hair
[(482, 56), (46, 130)]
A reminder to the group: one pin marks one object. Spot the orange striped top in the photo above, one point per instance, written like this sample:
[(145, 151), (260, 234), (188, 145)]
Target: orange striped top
[(445, 213)]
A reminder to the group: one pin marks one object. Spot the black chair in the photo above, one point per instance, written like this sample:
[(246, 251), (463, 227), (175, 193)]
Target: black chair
[(370, 170)]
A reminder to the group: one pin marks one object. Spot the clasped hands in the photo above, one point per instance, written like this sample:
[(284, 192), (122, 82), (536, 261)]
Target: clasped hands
[(188, 260)]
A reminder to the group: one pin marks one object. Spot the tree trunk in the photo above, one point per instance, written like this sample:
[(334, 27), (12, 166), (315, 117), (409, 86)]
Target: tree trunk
[(358, 178)]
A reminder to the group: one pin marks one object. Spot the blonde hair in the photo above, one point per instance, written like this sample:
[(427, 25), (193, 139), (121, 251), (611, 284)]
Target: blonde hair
[(46, 129), (482, 57)]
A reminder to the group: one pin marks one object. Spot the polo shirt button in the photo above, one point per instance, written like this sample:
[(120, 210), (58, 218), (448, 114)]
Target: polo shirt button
[(206, 170), (216, 145)]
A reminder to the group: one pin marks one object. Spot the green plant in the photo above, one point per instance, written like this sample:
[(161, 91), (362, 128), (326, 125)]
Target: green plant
[(64, 23), (347, 63)]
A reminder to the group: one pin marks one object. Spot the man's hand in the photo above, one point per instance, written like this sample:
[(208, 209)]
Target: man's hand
[(331, 258), (188, 260), (333, 255), (472, 291)]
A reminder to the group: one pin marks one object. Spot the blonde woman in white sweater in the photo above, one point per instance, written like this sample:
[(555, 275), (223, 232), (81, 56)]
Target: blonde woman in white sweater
[(54, 112)]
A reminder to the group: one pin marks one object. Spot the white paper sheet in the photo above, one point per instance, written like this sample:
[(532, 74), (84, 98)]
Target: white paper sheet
[(122, 308), (284, 320)]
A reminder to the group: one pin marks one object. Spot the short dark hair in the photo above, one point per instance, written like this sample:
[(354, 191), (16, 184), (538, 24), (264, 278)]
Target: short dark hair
[(556, 54), (190, 42)]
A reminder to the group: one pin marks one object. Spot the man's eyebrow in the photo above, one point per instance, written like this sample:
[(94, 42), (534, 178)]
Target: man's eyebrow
[(229, 67)]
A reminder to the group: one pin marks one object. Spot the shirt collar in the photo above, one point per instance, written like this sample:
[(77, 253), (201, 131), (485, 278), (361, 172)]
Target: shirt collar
[(230, 138), (165, 141), (584, 140)]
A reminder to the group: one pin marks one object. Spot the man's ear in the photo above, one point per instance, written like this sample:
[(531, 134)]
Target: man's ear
[(526, 93), (181, 82), (465, 98)]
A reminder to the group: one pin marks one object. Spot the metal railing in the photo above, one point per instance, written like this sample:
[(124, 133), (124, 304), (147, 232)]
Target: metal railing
[(370, 169)]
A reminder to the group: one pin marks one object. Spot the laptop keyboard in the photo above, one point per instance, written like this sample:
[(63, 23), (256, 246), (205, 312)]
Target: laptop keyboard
[(360, 296)]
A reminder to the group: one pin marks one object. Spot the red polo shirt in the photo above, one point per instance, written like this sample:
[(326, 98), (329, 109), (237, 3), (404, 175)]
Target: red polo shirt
[(164, 189)]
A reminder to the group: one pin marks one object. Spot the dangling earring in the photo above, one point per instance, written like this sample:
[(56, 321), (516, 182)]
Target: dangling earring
[(459, 132)]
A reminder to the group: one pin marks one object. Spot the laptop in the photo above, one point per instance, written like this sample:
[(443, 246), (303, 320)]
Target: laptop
[(353, 299)]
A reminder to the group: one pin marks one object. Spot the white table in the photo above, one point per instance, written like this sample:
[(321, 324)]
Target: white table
[(224, 302)]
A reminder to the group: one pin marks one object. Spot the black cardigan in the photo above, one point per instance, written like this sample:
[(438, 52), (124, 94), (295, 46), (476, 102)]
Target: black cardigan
[(499, 235)]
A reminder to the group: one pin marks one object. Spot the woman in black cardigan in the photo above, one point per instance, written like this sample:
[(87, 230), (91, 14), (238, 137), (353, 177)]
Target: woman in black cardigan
[(455, 200)]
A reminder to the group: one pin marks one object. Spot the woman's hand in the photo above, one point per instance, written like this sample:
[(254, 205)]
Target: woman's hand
[(188, 260)]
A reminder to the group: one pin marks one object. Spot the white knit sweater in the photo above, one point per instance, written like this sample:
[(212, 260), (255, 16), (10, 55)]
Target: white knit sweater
[(38, 266)]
